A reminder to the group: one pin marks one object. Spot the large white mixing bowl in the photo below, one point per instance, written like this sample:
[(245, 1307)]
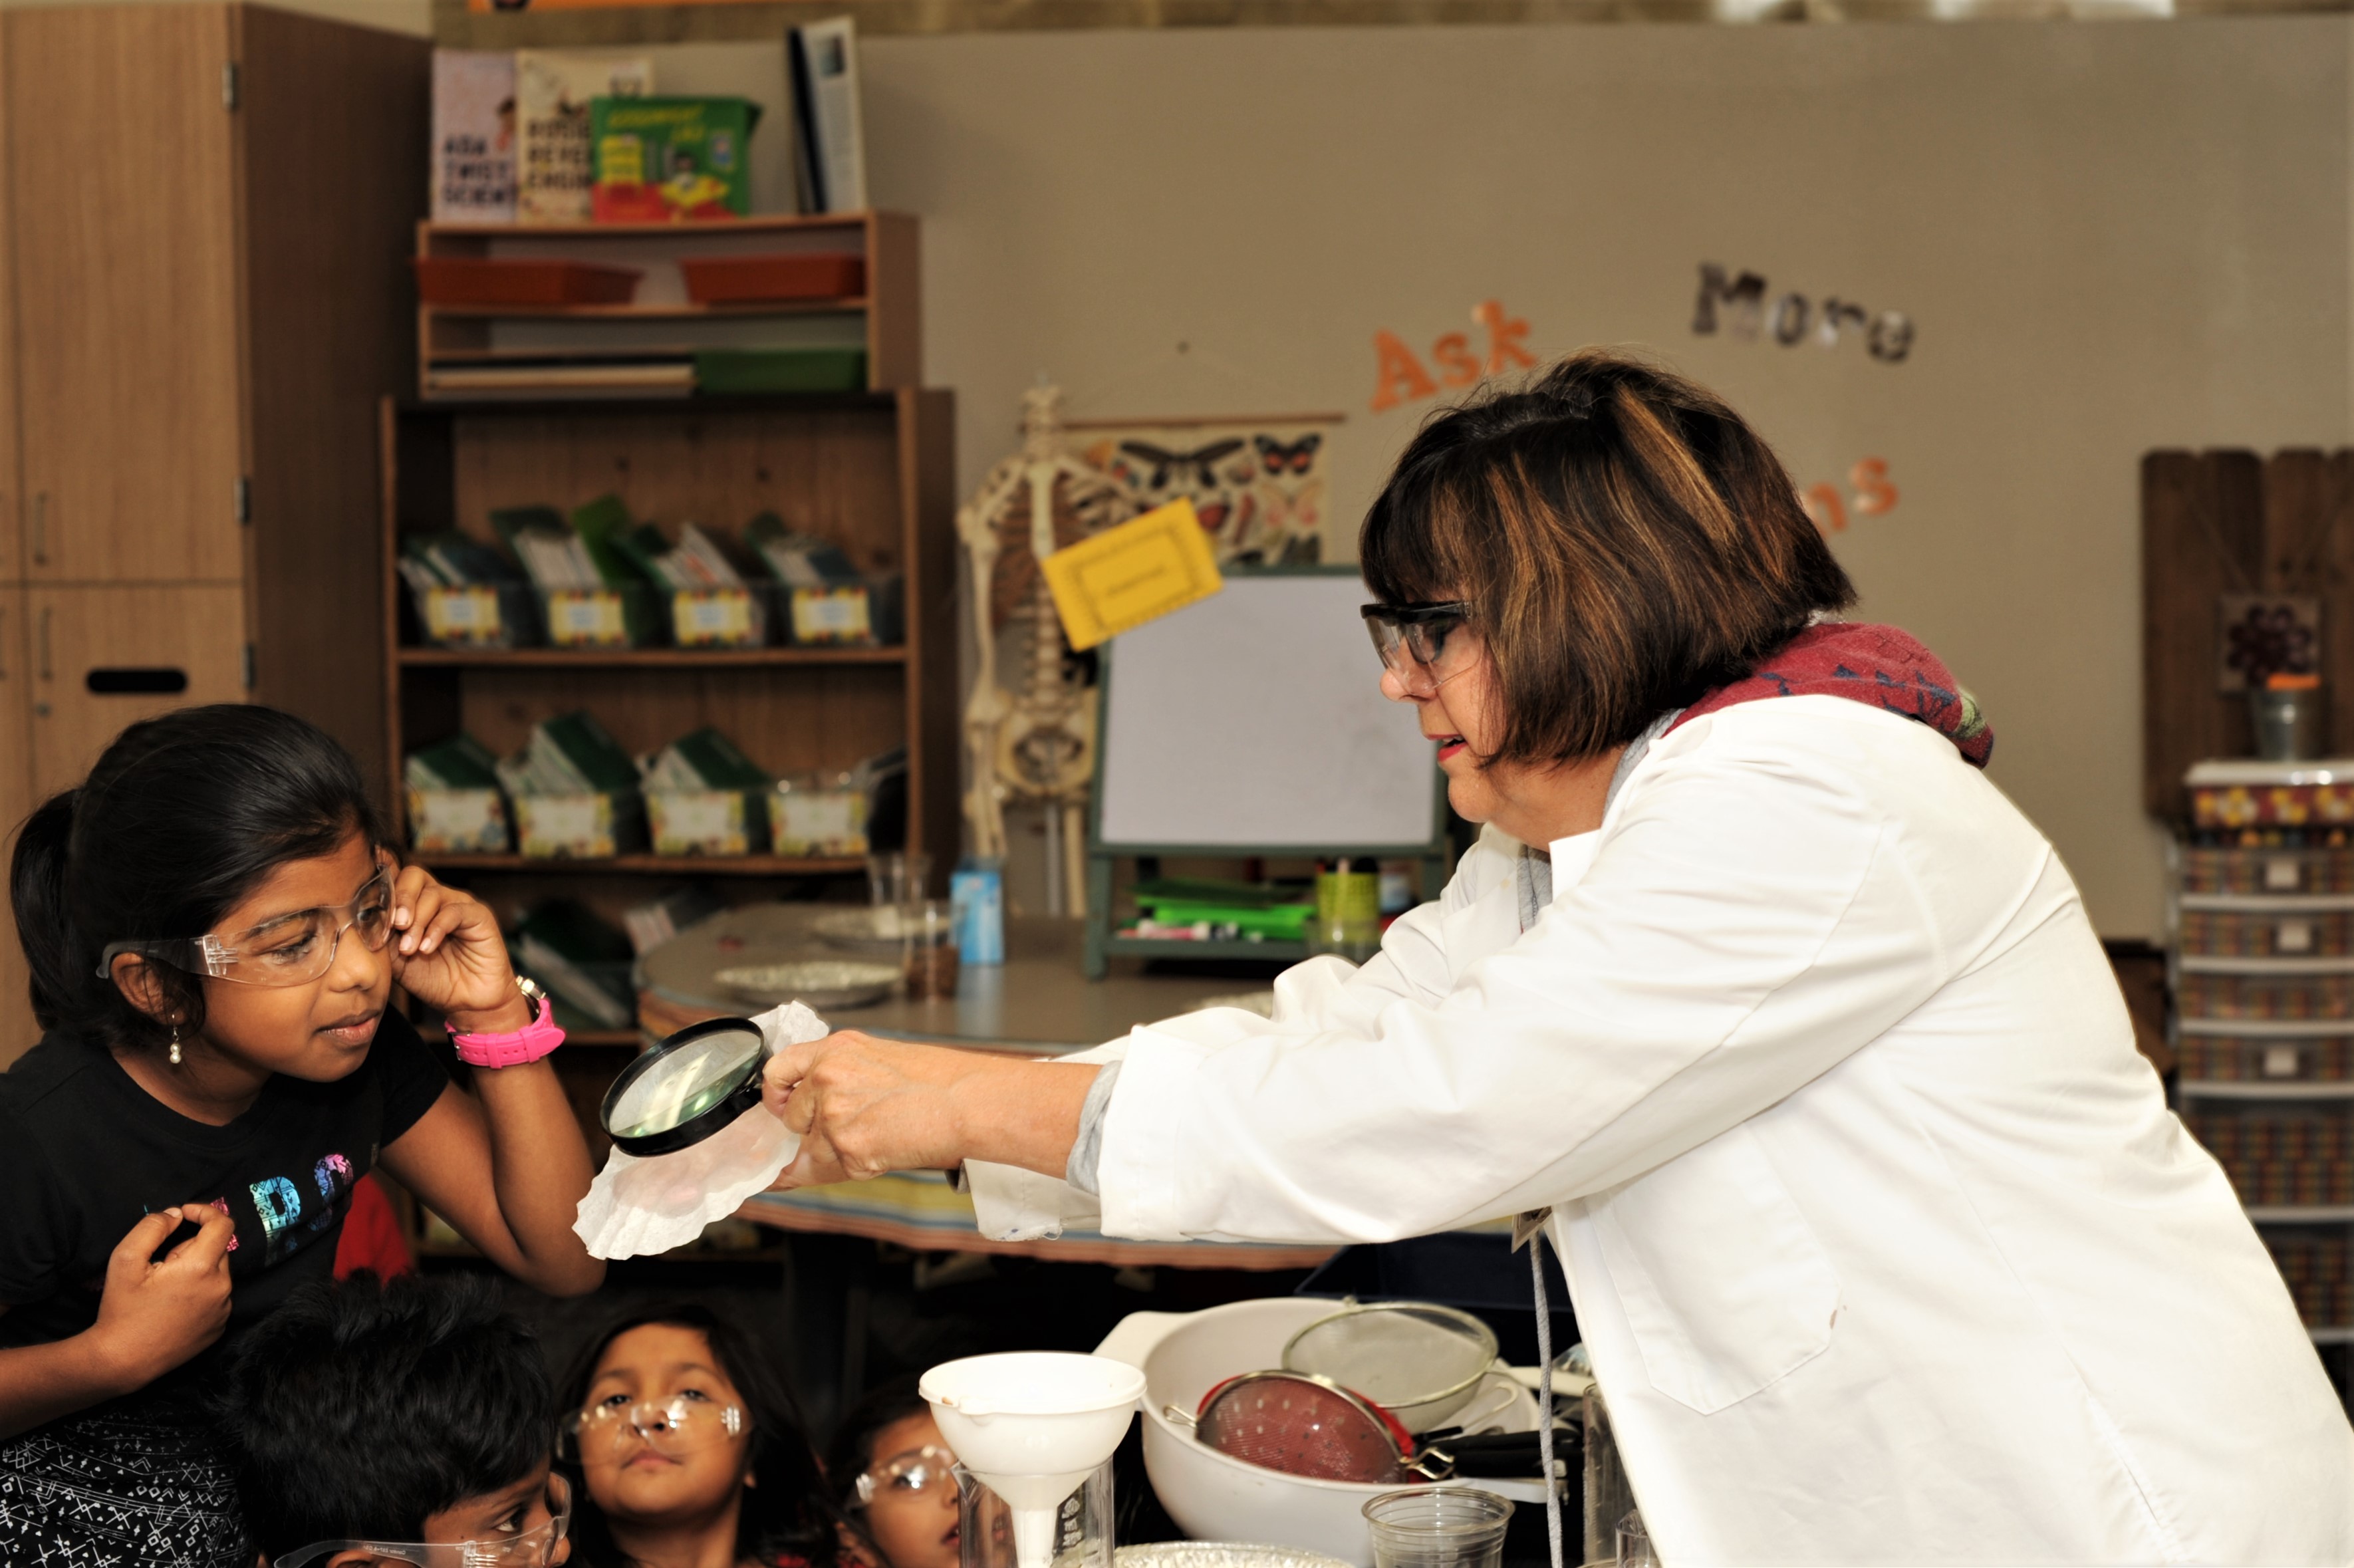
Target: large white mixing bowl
[(1214, 1497)]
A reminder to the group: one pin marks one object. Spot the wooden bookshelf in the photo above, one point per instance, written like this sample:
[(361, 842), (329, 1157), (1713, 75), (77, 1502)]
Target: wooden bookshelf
[(661, 323), (873, 472)]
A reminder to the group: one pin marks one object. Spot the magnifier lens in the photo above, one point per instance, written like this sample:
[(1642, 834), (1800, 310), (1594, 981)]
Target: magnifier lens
[(685, 1082)]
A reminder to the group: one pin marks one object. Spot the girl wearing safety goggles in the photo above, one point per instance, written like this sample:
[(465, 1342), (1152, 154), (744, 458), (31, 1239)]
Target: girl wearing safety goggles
[(215, 924), (686, 1449)]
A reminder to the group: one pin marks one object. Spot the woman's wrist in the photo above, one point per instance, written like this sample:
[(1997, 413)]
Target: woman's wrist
[(1022, 1113)]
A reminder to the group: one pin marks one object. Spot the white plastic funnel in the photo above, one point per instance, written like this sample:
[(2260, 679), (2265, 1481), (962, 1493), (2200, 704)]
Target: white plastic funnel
[(1031, 1426)]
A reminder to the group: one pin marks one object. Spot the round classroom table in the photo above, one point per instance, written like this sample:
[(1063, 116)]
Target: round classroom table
[(1036, 1003)]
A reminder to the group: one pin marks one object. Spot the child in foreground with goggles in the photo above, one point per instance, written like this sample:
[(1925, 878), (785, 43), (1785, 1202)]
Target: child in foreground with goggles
[(892, 1474), (685, 1449), (401, 1423), (213, 925)]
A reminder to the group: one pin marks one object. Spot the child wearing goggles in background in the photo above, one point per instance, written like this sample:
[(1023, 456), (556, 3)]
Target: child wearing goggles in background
[(890, 1472), (402, 1423), (685, 1449)]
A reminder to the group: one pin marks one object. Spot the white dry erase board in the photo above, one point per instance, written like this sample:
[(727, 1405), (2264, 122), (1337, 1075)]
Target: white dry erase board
[(1254, 719)]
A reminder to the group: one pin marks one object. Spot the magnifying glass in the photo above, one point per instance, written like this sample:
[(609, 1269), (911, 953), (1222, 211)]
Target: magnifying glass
[(687, 1088)]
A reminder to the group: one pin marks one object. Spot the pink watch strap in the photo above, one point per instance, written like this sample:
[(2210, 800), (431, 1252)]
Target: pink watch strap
[(529, 1044)]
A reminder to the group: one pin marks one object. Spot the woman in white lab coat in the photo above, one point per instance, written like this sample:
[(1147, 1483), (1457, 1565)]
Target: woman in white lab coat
[(1883, 1242)]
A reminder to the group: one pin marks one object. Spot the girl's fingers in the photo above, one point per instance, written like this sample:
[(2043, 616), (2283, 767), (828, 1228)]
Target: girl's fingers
[(407, 888), (446, 919)]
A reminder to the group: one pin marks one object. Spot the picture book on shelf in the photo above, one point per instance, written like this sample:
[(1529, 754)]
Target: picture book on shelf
[(473, 170), (554, 158)]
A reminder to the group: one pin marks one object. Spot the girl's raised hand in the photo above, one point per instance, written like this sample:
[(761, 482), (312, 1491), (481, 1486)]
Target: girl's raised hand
[(447, 952)]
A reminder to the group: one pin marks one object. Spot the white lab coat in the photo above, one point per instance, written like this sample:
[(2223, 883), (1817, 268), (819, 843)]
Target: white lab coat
[(1882, 1239)]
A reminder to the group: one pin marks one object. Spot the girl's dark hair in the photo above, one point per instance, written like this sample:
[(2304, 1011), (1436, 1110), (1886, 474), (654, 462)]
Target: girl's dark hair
[(358, 1409), (788, 1513), (852, 1453), (181, 819), (1626, 543)]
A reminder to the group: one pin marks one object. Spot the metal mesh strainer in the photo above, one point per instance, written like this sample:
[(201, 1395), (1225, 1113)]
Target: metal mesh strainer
[(1302, 1426), (1419, 1360)]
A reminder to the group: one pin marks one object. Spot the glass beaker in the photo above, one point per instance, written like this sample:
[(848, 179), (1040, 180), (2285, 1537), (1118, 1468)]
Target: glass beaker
[(928, 937), (1083, 1525), (1609, 1497), (1635, 1544), (1438, 1527), (896, 879)]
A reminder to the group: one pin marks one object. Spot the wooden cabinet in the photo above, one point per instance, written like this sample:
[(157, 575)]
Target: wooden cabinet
[(204, 216), (127, 263), (106, 657), (16, 802)]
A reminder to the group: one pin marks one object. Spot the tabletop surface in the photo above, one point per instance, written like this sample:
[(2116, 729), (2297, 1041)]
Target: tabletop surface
[(1036, 1001)]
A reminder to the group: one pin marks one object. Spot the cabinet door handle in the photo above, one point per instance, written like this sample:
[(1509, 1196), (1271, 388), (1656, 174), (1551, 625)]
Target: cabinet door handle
[(41, 528), (4, 642), (47, 673)]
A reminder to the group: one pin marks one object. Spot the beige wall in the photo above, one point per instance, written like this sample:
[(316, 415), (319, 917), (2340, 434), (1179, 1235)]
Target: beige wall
[(2110, 236)]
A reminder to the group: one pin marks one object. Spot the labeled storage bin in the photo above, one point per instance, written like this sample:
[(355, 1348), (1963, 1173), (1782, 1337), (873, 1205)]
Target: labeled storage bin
[(603, 618), (2319, 1272), (477, 615), (2280, 995), (579, 827), (707, 822), (458, 821), (854, 615), (478, 281), (2253, 1058), (2278, 1155), (2290, 931), (819, 814), (2267, 870), (742, 617)]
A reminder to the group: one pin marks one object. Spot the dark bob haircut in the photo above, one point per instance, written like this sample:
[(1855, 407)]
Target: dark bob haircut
[(358, 1411), (788, 1513), (1624, 541), (181, 818)]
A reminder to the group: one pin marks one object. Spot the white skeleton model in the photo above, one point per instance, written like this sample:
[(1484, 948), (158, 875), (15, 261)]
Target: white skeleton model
[(1037, 745)]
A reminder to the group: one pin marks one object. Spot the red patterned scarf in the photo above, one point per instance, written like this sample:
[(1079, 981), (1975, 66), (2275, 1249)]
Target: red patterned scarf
[(1875, 665)]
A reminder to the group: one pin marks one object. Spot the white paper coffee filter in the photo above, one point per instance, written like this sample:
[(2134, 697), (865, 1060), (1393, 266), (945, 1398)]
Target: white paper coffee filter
[(637, 1206)]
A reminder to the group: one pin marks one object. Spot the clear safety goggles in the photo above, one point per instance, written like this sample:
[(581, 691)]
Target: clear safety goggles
[(537, 1545), (289, 950), (908, 1474), (681, 1425), (1424, 645)]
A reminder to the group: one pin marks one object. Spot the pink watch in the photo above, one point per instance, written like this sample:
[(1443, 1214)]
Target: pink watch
[(529, 1044)]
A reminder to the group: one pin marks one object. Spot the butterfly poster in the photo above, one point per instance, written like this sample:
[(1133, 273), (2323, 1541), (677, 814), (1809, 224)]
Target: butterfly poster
[(1258, 485)]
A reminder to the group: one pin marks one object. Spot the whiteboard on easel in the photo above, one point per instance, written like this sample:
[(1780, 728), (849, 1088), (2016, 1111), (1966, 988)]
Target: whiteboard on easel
[(1254, 719)]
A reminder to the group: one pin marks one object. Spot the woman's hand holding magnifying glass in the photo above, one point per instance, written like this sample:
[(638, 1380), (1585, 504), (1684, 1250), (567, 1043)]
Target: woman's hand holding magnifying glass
[(864, 1107)]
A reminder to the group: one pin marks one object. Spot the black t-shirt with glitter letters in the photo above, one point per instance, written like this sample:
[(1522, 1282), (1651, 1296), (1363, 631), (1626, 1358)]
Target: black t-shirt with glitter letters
[(85, 1151)]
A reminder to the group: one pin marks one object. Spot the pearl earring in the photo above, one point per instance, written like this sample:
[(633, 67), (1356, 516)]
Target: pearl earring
[(175, 1044)]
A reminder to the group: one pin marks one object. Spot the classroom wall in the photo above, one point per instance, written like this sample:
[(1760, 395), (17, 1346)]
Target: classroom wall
[(2109, 237)]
